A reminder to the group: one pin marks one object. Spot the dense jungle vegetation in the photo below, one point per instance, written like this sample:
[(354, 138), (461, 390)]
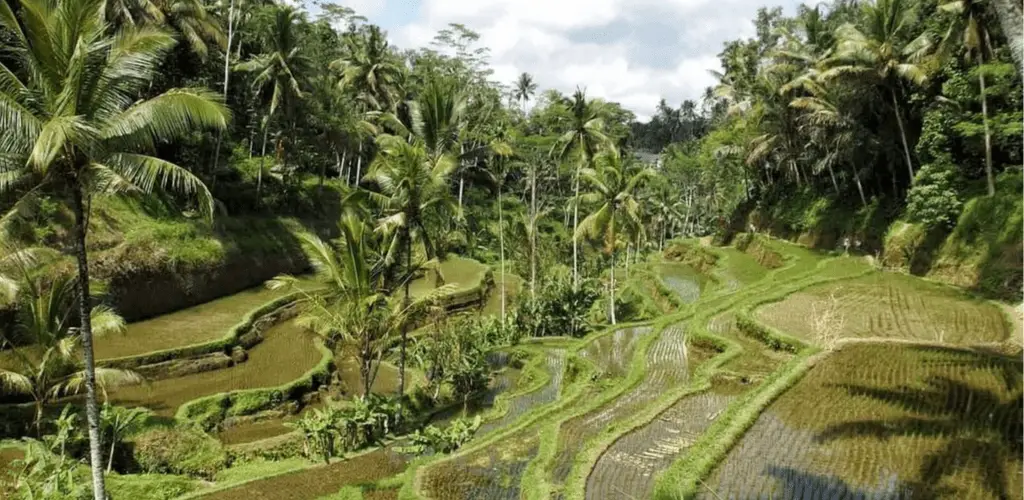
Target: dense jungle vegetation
[(156, 154)]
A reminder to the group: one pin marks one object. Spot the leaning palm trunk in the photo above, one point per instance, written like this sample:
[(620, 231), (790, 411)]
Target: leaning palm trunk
[(832, 175), (359, 163), (988, 134), (92, 411), (263, 157), (576, 224), (903, 134), (860, 187)]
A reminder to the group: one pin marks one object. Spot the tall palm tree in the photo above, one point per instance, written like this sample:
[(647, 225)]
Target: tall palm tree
[(583, 138), (412, 189), (878, 51), (282, 69), (615, 183), (371, 69), (192, 20), (525, 88), (968, 24), (121, 422), (72, 124)]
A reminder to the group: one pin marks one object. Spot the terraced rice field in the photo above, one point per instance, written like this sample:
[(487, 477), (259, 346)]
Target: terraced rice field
[(554, 365), (319, 481), (285, 354), (891, 306), (886, 421), (682, 280), (195, 325), (667, 366)]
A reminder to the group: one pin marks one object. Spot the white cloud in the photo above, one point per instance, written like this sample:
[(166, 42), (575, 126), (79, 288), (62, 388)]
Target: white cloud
[(629, 51)]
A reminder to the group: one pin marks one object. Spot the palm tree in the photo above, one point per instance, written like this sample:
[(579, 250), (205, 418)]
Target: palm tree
[(969, 25), (72, 125), (878, 51), (282, 69), (121, 422), (615, 186), (371, 69), (584, 137), (412, 190), (525, 88), (190, 19), (50, 368)]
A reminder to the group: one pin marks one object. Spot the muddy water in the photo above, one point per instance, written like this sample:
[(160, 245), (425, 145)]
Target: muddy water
[(667, 365), (285, 354), (493, 473), (612, 353), (195, 325), (682, 280), (554, 364)]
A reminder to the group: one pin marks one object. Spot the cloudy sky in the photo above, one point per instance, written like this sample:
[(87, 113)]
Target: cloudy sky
[(630, 51)]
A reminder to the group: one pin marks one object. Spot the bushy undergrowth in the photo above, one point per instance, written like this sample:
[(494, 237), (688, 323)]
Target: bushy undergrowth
[(178, 449), (560, 308)]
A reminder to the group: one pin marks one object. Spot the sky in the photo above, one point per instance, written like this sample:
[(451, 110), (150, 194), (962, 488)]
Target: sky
[(633, 52)]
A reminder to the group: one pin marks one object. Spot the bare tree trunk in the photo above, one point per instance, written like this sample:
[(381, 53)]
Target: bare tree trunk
[(533, 235), (113, 443), (501, 245), (92, 411), (860, 188), (1010, 17), (903, 134), (832, 175), (988, 134), (341, 167), (462, 185), (401, 353), (359, 164), (227, 74), (575, 224), (263, 157), (611, 289)]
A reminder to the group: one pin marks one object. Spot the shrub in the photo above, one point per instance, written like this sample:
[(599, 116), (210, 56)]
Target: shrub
[(182, 450), (933, 200), (560, 308), (446, 440)]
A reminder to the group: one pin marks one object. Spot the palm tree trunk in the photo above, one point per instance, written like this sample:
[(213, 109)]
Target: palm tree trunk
[(903, 134), (462, 185), (401, 353), (611, 288), (860, 188), (533, 235), (988, 134), (359, 164), (1009, 13), (575, 224), (832, 175), (263, 157), (341, 167), (227, 74), (501, 245), (92, 411), (628, 245), (113, 443)]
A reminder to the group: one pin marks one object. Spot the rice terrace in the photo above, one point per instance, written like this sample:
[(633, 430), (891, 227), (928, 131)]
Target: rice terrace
[(334, 250)]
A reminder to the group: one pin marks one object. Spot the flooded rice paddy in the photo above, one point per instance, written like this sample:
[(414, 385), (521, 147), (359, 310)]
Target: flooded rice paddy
[(885, 421), (682, 280), (285, 354)]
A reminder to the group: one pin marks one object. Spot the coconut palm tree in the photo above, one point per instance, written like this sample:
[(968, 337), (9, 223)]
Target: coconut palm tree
[(583, 138), (121, 422), (525, 88), (51, 368), (73, 125), (877, 50), (615, 183), (412, 189), (371, 70), (192, 20), (968, 24), (282, 69)]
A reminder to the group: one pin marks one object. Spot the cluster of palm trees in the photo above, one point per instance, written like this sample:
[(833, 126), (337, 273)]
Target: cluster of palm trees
[(839, 89)]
